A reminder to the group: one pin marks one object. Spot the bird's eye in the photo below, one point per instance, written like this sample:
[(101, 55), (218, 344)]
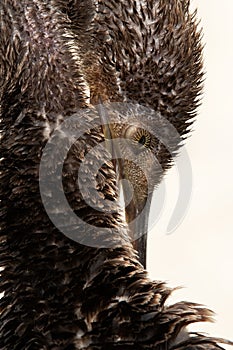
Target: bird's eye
[(141, 137)]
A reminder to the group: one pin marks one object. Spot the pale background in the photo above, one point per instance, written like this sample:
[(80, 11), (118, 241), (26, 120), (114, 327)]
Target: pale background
[(199, 254)]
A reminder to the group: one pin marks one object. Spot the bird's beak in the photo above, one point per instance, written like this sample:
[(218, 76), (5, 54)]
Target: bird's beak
[(137, 217), (137, 211)]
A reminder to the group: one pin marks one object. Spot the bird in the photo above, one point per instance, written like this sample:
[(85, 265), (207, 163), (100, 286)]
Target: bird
[(58, 292)]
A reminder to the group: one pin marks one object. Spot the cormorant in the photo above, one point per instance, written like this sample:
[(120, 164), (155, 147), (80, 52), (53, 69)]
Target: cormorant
[(59, 294)]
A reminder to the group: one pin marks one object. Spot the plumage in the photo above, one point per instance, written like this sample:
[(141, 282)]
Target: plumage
[(57, 58)]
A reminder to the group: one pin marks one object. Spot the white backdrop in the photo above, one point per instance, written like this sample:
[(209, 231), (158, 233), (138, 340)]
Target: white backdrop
[(199, 254)]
